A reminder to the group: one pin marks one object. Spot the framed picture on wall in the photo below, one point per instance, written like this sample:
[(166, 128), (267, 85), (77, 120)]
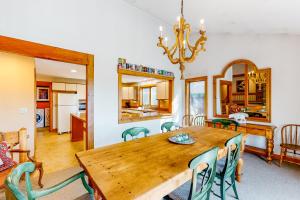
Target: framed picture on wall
[(240, 86), (42, 94)]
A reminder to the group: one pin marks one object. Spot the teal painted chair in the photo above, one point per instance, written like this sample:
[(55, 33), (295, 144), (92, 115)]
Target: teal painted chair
[(225, 123), (12, 184), (226, 167), (167, 126), (199, 187), (134, 132)]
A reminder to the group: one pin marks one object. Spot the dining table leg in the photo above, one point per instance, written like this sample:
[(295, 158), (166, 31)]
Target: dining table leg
[(240, 165), (97, 193)]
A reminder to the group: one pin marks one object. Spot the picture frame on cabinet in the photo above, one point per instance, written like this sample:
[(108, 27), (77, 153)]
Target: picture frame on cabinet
[(42, 94)]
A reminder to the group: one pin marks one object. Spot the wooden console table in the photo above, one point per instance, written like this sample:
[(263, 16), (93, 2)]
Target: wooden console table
[(266, 131)]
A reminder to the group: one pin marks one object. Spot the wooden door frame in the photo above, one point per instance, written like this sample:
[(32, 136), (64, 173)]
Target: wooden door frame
[(229, 85), (229, 90), (36, 50), (187, 91)]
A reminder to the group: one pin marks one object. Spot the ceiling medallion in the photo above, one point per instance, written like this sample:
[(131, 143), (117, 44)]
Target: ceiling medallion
[(182, 51)]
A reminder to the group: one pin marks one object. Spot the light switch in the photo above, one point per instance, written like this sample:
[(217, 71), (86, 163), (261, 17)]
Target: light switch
[(23, 110)]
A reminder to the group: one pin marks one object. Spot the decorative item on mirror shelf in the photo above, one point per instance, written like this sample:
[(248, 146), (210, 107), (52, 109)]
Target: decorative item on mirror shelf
[(122, 64), (239, 117)]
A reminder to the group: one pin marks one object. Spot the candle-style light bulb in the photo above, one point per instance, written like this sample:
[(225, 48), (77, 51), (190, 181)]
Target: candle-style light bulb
[(202, 25), (178, 20), (166, 40), (184, 44), (161, 31)]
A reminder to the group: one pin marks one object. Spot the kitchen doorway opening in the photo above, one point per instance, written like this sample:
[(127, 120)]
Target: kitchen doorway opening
[(52, 54), (60, 113)]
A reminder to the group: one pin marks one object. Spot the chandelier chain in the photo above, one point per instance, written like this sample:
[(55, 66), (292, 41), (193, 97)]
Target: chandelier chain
[(182, 8)]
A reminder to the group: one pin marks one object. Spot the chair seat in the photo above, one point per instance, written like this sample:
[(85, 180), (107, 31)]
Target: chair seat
[(220, 165), (290, 146)]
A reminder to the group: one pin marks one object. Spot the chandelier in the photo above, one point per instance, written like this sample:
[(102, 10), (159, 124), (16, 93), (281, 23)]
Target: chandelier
[(182, 51), (258, 78)]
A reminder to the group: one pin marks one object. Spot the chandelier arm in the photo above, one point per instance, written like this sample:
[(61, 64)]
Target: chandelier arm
[(174, 47), (170, 56), (188, 32), (174, 51), (195, 51)]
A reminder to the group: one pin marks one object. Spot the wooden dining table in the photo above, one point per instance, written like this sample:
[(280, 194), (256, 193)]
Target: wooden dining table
[(151, 167)]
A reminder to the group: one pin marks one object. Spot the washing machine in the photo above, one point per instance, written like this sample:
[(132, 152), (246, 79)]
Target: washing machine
[(40, 118)]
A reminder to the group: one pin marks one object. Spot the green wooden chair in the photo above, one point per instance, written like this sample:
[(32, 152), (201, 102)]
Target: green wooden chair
[(12, 184), (199, 187), (167, 126), (225, 123), (226, 167), (134, 132)]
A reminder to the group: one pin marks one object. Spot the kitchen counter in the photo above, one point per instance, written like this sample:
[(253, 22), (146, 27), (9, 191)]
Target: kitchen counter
[(80, 116), (78, 126), (134, 115)]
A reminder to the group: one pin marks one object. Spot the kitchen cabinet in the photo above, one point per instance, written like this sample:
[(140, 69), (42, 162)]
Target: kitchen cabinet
[(81, 91), (162, 90), (59, 86), (128, 93), (71, 87)]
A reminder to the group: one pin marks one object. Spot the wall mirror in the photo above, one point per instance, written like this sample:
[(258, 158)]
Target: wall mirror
[(242, 87)]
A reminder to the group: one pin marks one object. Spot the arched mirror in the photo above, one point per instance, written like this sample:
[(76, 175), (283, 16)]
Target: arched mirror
[(243, 88)]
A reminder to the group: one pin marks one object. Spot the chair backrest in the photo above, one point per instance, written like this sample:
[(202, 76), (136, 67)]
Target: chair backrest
[(225, 123), (233, 146), (201, 189), (12, 183), (134, 132), (13, 179), (199, 120), (290, 134), (187, 120), (168, 126)]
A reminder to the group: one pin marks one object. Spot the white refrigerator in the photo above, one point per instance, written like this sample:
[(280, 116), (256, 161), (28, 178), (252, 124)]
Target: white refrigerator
[(67, 104)]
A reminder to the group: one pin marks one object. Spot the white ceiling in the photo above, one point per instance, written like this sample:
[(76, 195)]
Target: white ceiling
[(59, 69), (230, 16)]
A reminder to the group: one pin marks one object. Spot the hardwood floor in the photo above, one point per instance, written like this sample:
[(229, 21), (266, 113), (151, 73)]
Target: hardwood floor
[(57, 152)]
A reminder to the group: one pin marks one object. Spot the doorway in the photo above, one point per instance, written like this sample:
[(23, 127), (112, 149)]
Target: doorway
[(226, 95), (60, 113), (40, 51), (196, 96)]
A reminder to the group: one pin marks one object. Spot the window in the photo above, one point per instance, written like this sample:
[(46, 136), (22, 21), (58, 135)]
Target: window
[(146, 96), (149, 97), (153, 97), (196, 97)]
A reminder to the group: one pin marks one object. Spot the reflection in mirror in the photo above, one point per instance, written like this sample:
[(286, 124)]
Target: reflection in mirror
[(242, 88), (231, 90), (257, 97)]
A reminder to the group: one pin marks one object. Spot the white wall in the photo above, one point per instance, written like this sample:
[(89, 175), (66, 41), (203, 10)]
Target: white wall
[(17, 94), (280, 52), (107, 29)]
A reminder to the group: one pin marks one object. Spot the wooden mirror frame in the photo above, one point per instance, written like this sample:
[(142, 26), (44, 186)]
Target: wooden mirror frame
[(268, 89)]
